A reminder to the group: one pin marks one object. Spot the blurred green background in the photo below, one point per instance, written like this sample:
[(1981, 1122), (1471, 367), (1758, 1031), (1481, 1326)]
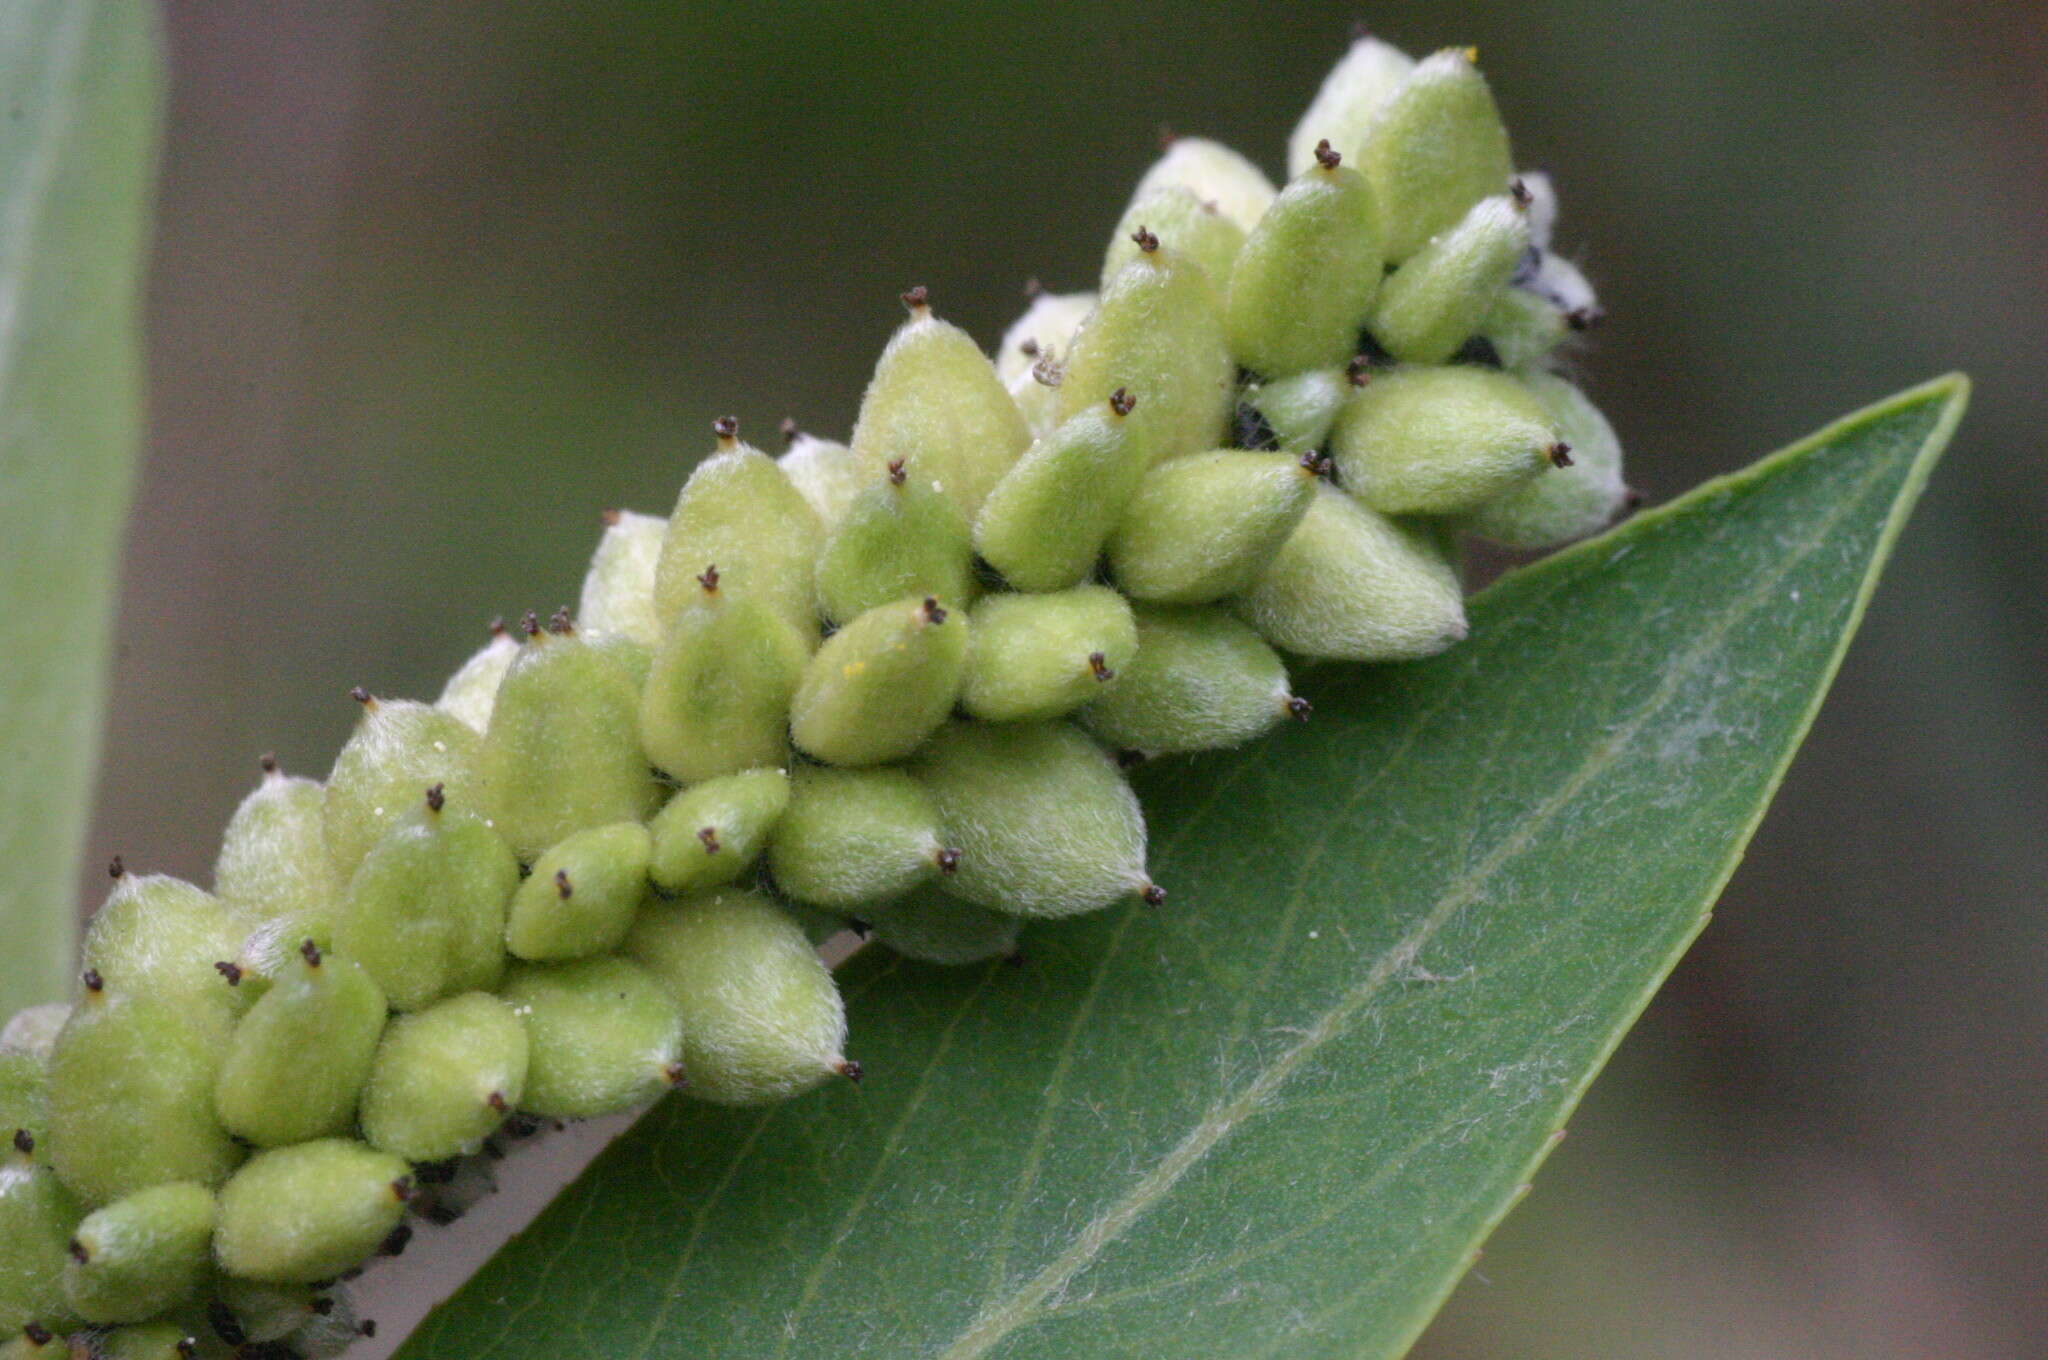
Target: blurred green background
[(436, 283)]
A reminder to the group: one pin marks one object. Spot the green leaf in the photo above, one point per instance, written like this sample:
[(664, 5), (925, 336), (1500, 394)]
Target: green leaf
[(77, 162), (1277, 1117)]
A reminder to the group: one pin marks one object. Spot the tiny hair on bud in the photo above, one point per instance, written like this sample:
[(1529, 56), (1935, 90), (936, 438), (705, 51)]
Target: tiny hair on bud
[(726, 427), (1328, 156)]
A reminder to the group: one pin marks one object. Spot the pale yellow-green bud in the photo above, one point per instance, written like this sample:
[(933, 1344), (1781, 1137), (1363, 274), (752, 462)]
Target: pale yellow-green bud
[(300, 1214), (273, 867), (37, 1216), (1213, 173), (618, 589), (711, 833), (878, 686), (898, 537), (1441, 441), (1434, 148), (1300, 410), (853, 838), (935, 403), (1158, 337), (1044, 524), (1194, 227), (1045, 331), (1365, 78), (1201, 681), (141, 1255), (1573, 501), (932, 926), (718, 697), (1307, 275), (472, 691), (603, 1035), (740, 510), (1352, 585), (827, 474), (160, 935), (1205, 526), (445, 1077), (581, 896), (398, 749), (1438, 298), (296, 1063), (1034, 657)]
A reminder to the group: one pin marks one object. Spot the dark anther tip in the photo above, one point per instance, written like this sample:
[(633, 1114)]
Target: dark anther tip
[(948, 860), (499, 1105), (789, 430), (402, 1189), (368, 1327), (1299, 708), (498, 628), (1154, 895), (1028, 347), (562, 887), (934, 612), (361, 695), (1359, 371), (1098, 666), (1585, 318), (267, 763), (77, 1251), (1129, 759), (437, 797), (1167, 136), (224, 1323), (188, 1348), (1360, 30), (38, 1334), (399, 1239), (1632, 498), (674, 1075), (322, 1305), (24, 1142), (1315, 464), (310, 952), (917, 299), (709, 836), (1520, 191), (93, 981), (708, 578), (1122, 402), (610, 518), (1145, 240), (231, 971), (562, 622), (1560, 454), (860, 928), (1327, 156), (851, 1070), (726, 427), (529, 623), (115, 868), (1033, 289), (896, 473)]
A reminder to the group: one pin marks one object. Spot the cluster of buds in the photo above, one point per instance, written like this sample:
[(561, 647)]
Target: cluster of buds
[(892, 684)]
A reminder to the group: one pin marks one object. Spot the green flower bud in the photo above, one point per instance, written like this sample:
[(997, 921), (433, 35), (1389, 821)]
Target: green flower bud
[(1043, 526), (1578, 499), (37, 1216), (1038, 656), (711, 833), (1201, 681), (740, 510), (33, 1029), (1045, 332), (762, 1019), (878, 686), (933, 927), (1308, 273), (444, 1078), (935, 403), (634, 659), (1438, 299), (899, 537), (1213, 173), (149, 1341), (142, 1255), (298, 1215), (618, 590), (1045, 824), (1352, 585), (36, 1342), (25, 1098), (398, 748), (1193, 227), (851, 838), (131, 1096), (827, 474), (1205, 526), (563, 751), (1300, 410), (604, 1035), (266, 1312), (161, 935), (273, 865), (718, 697), (1435, 147), (1524, 328), (582, 894), (1438, 441), (298, 1059), (472, 691), (1342, 111), (1157, 336), (425, 915)]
